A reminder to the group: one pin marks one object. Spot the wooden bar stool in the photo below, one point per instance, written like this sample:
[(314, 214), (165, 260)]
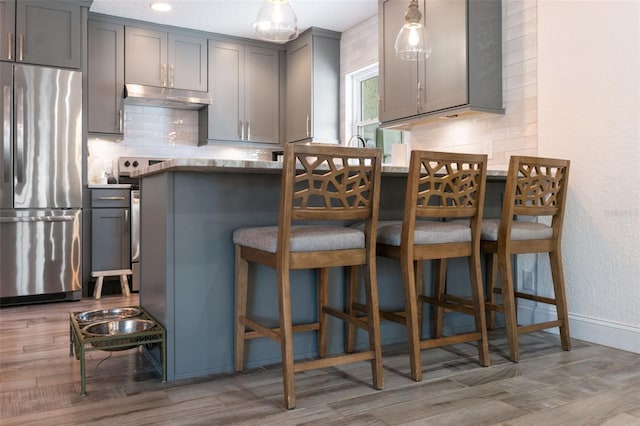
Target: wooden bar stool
[(440, 187), (535, 187), (330, 186), (124, 282)]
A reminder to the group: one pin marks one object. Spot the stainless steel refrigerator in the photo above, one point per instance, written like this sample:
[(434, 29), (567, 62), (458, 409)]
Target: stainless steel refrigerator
[(40, 184)]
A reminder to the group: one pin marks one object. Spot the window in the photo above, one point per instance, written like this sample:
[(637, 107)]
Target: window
[(362, 111)]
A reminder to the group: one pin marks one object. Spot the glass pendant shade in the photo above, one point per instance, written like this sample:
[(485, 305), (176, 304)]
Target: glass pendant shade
[(276, 21), (413, 42)]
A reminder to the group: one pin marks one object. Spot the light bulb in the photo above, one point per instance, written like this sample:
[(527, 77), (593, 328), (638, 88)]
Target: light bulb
[(414, 36)]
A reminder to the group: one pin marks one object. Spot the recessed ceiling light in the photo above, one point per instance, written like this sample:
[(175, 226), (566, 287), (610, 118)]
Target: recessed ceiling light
[(160, 7)]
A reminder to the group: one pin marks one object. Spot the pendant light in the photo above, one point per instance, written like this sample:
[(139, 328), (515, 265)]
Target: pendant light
[(413, 42), (276, 21)]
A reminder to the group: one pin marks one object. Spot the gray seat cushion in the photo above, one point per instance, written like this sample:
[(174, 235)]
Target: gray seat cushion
[(426, 232), (304, 238), (519, 230)]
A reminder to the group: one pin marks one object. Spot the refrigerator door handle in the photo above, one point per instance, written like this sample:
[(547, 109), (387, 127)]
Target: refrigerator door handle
[(20, 133), (6, 134)]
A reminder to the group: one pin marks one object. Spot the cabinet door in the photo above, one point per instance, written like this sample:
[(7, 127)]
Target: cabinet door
[(398, 79), (444, 73), (48, 33), (187, 62), (7, 34), (261, 104), (298, 91), (105, 77), (226, 114), (110, 239), (145, 57)]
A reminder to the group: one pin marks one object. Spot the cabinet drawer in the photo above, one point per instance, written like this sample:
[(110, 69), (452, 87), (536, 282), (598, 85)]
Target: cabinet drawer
[(110, 198)]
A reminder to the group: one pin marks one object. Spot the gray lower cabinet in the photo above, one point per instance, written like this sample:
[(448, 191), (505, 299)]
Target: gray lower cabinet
[(245, 87), (464, 71), (312, 92), (161, 59), (105, 77), (41, 32), (110, 229)]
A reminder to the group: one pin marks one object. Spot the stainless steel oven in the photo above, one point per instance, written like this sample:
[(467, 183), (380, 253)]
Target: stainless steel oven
[(126, 165)]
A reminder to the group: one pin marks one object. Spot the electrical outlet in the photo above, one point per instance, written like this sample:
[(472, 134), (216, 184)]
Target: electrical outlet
[(527, 280)]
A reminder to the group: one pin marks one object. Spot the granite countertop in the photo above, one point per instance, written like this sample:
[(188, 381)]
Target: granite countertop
[(110, 186), (208, 165)]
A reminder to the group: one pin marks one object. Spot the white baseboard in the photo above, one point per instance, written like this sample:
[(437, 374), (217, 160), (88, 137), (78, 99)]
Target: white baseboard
[(593, 330)]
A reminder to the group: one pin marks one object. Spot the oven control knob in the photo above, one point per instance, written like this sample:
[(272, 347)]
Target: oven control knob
[(135, 164), (127, 163)]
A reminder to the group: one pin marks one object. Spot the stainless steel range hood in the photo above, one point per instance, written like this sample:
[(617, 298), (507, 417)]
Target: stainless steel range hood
[(136, 94)]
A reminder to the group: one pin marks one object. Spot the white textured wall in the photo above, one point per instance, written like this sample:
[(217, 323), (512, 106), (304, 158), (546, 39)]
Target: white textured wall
[(589, 112)]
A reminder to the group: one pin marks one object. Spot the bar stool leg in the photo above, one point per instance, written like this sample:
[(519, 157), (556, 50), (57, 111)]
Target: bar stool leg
[(352, 297), (241, 274), (373, 320), (411, 318), (323, 300), (440, 272), (475, 275), (492, 278), (508, 300), (557, 274), (124, 285), (97, 291), (286, 338)]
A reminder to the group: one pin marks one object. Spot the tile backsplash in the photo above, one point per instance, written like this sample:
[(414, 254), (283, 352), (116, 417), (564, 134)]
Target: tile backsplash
[(156, 132)]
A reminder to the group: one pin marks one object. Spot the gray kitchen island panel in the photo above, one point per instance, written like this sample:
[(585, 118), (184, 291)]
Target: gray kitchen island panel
[(187, 266)]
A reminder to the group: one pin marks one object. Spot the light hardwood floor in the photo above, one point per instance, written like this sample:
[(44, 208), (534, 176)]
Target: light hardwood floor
[(40, 384)]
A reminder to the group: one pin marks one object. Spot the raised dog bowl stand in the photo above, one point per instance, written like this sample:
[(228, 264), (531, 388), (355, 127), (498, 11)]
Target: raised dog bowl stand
[(80, 342)]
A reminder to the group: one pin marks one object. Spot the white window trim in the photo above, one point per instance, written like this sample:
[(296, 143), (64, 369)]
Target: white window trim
[(352, 99)]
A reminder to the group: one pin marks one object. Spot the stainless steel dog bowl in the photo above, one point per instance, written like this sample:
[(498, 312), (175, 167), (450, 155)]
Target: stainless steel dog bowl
[(120, 327), (117, 335), (107, 314)]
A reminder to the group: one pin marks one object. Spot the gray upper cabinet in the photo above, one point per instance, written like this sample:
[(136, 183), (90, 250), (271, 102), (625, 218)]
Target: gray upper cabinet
[(105, 77), (312, 92), (464, 71), (245, 89), (7, 34), (161, 59), (41, 32)]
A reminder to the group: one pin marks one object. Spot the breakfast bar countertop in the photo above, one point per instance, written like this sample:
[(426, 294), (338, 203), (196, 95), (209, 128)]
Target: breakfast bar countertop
[(214, 165)]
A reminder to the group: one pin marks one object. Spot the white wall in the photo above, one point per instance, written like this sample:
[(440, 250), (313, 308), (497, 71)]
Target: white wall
[(589, 112)]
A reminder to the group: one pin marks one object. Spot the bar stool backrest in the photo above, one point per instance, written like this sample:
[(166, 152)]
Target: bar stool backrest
[(535, 186), (323, 182), (443, 185)]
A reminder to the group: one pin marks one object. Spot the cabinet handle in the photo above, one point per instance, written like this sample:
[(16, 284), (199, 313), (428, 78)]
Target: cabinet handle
[(21, 47), (114, 198), (308, 120), (248, 130), (241, 130), (163, 74), (171, 75), (10, 46), (121, 121), (419, 108)]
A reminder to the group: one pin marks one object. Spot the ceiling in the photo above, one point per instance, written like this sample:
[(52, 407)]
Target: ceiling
[(234, 17)]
